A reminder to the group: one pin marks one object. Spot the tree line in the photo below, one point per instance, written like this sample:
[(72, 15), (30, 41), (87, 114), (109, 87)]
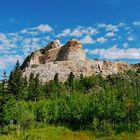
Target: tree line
[(108, 105)]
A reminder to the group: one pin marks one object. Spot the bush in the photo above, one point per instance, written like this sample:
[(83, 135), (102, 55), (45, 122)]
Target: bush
[(19, 112)]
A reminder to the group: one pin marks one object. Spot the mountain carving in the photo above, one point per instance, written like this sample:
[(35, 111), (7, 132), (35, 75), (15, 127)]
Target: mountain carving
[(70, 57)]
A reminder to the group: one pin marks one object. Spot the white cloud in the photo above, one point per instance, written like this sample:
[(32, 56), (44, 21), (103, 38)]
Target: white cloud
[(2, 65), (44, 28), (78, 32), (33, 33), (112, 28), (131, 38), (115, 53), (7, 42), (9, 60), (121, 24), (101, 40), (64, 33), (110, 34), (101, 25), (136, 23), (89, 31), (24, 31), (2, 37), (87, 40), (125, 45)]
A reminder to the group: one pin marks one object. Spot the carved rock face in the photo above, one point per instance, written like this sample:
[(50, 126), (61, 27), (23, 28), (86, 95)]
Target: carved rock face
[(52, 45), (65, 59), (72, 50)]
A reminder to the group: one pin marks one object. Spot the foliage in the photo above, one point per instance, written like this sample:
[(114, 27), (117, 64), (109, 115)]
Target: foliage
[(61, 133), (108, 105)]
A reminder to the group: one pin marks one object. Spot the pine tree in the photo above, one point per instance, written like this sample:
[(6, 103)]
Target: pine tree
[(3, 98), (56, 79), (25, 88), (3, 84), (15, 82), (38, 88), (35, 89), (71, 79), (31, 87), (81, 77)]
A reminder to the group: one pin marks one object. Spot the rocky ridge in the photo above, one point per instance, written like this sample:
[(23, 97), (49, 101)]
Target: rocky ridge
[(70, 57)]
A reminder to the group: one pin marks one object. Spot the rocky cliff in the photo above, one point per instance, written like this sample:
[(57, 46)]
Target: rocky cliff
[(70, 57)]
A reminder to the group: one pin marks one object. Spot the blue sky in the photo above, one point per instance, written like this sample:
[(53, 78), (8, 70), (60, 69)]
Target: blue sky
[(108, 29)]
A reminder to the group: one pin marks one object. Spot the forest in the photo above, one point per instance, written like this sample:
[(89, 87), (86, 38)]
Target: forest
[(101, 105)]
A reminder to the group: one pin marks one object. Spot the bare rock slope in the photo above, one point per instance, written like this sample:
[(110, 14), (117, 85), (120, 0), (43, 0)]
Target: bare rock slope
[(70, 57)]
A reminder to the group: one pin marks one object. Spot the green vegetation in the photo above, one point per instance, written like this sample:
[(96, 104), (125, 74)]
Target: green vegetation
[(42, 132), (84, 108)]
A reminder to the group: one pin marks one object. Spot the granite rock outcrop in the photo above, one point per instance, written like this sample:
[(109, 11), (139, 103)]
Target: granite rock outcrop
[(67, 58)]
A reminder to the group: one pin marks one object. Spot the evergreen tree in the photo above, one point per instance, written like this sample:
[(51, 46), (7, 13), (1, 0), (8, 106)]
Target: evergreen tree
[(31, 87), (56, 78), (15, 82), (70, 80), (38, 88), (3, 87), (25, 88), (81, 77), (35, 89), (3, 98)]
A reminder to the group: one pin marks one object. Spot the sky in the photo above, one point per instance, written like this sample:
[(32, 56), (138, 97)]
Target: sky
[(108, 29)]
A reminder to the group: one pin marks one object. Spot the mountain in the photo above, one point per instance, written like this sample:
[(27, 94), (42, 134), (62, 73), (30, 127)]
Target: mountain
[(67, 58)]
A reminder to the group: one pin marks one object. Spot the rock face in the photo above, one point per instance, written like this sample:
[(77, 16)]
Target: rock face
[(70, 57), (72, 50)]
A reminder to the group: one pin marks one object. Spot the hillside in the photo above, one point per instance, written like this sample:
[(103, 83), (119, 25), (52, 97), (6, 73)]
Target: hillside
[(70, 57), (99, 106)]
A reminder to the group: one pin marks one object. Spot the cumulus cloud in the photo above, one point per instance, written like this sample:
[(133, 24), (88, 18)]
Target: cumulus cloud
[(116, 53), (26, 37), (110, 34), (87, 40), (9, 60), (44, 28), (101, 40), (78, 32), (7, 42), (112, 28), (64, 33), (24, 31)]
